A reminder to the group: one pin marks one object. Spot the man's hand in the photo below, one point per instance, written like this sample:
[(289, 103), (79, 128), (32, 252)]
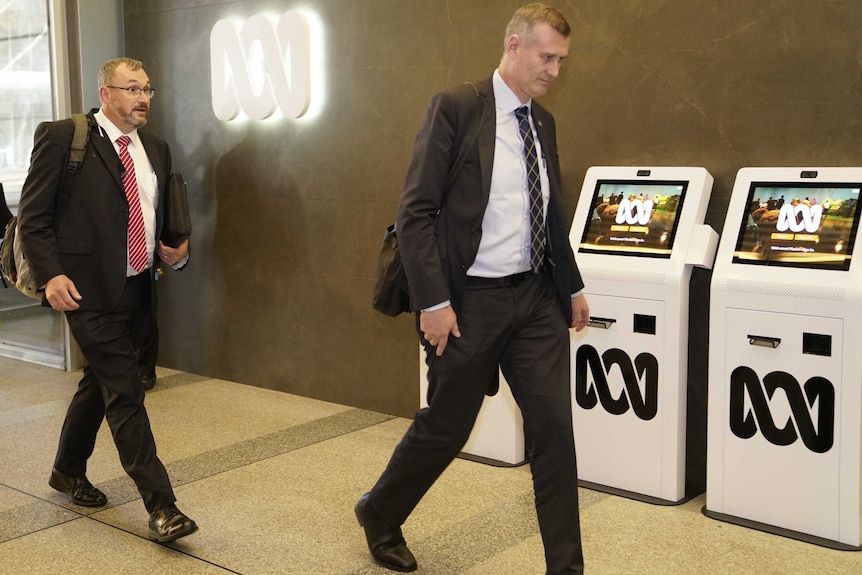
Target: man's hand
[(437, 325), (172, 256), (62, 293), (580, 312)]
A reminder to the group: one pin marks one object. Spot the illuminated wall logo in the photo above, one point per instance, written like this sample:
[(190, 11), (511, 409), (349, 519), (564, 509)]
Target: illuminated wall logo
[(634, 212), (262, 65), (789, 218), (588, 396), (744, 422)]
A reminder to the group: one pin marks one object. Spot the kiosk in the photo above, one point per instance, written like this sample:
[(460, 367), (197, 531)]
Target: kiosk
[(637, 232), (785, 366)]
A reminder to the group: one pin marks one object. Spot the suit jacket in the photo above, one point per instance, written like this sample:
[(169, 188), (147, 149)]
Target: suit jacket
[(86, 237), (439, 230)]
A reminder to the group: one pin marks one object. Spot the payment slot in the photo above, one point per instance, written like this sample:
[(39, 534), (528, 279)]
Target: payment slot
[(785, 372), (498, 434), (637, 233)]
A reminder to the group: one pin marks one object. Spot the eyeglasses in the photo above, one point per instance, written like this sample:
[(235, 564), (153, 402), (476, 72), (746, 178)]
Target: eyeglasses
[(136, 92)]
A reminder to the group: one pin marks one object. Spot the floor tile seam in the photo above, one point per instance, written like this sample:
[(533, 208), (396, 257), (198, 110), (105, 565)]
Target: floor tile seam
[(167, 545), (78, 516), (176, 474), (123, 491), (203, 466), (49, 524), (118, 528), (22, 492), (43, 528)]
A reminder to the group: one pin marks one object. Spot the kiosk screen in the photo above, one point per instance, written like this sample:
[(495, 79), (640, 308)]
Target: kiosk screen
[(634, 218), (799, 225)]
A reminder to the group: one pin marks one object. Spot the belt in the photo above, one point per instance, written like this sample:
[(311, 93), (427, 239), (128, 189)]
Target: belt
[(475, 282), (140, 275)]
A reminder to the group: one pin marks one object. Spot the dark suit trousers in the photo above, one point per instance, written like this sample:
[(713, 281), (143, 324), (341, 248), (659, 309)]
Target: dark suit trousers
[(521, 329), (149, 352), (111, 389)]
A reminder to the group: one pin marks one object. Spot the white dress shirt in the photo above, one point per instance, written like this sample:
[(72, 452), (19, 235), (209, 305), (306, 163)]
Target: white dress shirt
[(505, 246), (148, 188)]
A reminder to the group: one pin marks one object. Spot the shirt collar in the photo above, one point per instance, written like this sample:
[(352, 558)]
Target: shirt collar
[(111, 130), (506, 100)]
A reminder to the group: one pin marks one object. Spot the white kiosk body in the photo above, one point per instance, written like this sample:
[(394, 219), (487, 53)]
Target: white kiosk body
[(785, 367), (637, 232)]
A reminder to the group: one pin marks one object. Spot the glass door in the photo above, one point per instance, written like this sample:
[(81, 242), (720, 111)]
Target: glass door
[(28, 331)]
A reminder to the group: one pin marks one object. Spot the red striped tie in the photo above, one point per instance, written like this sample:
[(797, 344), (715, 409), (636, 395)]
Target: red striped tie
[(137, 233)]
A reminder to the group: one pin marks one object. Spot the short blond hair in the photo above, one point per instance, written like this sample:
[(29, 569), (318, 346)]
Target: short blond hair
[(106, 72), (529, 15)]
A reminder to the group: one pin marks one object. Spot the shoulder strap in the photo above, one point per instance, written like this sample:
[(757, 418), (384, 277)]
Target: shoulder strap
[(469, 139), (79, 142), (77, 152)]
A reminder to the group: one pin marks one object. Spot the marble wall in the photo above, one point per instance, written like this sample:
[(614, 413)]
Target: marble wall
[(288, 215)]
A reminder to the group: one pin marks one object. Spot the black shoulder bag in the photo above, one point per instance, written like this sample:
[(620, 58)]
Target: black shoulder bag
[(391, 294)]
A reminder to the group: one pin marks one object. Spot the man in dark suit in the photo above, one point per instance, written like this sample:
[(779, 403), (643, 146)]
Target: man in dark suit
[(493, 291), (93, 252)]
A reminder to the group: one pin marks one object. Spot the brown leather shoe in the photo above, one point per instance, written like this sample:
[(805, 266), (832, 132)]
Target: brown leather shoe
[(385, 542), (79, 489), (170, 523)]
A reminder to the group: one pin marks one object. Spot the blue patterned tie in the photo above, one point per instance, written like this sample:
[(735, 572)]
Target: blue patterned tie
[(537, 219)]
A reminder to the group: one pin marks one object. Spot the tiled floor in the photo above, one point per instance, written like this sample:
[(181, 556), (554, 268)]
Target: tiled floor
[(271, 479)]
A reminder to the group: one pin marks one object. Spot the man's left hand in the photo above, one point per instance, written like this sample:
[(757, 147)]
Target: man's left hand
[(580, 312), (172, 256)]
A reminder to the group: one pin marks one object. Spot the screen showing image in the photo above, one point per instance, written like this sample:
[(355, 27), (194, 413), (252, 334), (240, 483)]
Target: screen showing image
[(799, 225), (634, 218)]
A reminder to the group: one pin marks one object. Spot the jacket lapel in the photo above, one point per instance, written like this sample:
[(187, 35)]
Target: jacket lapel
[(105, 150), (153, 155), (487, 137), (548, 142)]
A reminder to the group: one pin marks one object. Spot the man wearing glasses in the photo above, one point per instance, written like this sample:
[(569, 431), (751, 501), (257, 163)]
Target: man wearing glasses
[(93, 249)]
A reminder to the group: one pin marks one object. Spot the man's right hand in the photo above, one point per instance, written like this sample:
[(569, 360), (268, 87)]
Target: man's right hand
[(62, 293), (437, 325)]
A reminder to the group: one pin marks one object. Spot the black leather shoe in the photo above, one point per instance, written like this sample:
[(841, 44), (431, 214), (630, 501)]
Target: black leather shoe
[(385, 542), (148, 382), (79, 489), (170, 523)]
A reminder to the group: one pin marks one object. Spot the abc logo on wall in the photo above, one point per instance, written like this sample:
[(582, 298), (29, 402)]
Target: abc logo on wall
[(261, 65), (745, 422), (645, 366)]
